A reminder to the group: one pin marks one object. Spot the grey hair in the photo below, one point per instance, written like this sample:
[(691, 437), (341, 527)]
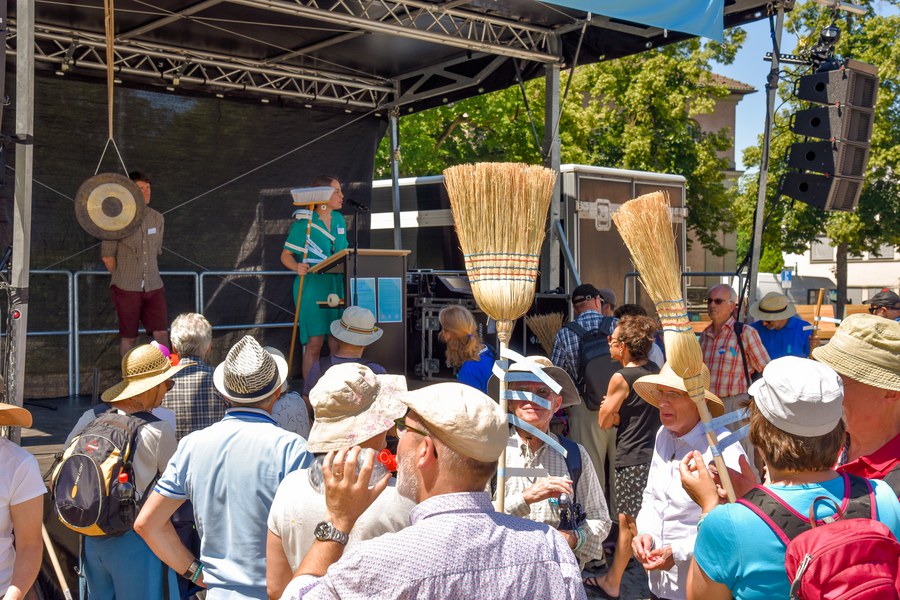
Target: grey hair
[(477, 471), (191, 335), (731, 293)]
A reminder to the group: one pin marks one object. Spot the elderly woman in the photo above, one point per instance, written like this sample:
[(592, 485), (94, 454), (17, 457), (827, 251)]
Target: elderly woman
[(796, 424), (465, 350), (630, 345), (21, 510), (667, 521)]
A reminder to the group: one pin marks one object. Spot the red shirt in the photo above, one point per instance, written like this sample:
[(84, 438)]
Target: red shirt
[(877, 465)]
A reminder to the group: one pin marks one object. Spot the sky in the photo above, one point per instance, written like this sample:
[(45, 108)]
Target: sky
[(750, 67)]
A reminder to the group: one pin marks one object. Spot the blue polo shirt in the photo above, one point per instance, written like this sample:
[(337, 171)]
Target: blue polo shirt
[(790, 340), (230, 471)]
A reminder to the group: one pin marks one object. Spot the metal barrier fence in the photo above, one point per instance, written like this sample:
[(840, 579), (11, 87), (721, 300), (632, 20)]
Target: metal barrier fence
[(630, 282), (75, 332)]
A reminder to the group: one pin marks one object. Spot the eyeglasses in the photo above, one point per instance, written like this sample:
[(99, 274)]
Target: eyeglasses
[(613, 340), (402, 428), (716, 301)]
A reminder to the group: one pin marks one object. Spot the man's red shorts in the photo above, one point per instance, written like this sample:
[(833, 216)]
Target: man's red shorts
[(134, 308)]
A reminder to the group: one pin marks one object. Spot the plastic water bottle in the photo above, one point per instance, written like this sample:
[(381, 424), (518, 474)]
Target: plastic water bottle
[(125, 494), (317, 480)]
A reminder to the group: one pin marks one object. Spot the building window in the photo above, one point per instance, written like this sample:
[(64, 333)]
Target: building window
[(885, 252), (821, 250)]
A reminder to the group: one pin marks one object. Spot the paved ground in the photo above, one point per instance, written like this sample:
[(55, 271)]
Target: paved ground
[(634, 583)]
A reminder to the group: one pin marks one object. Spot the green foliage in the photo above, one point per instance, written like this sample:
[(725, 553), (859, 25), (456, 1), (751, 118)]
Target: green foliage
[(636, 112), (792, 226)]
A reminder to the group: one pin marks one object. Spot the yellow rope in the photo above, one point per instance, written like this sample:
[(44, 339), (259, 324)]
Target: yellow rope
[(110, 21)]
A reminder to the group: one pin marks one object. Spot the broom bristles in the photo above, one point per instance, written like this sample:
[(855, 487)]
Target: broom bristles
[(645, 225), (545, 327), (500, 214)]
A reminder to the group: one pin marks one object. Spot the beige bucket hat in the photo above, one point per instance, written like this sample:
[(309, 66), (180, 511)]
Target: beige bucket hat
[(249, 373), (569, 392), (646, 388), (773, 307), (352, 405), (356, 326), (143, 368), (865, 348), (14, 416)]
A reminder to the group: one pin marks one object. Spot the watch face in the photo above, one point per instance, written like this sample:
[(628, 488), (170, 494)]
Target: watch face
[(323, 531)]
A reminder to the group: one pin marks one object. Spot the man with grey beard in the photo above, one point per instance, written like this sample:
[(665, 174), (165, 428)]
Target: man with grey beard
[(457, 546)]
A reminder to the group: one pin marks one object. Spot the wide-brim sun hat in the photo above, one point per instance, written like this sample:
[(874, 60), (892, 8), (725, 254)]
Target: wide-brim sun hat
[(14, 416), (865, 348), (143, 368), (773, 307), (352, 404), (249, 373), (357, 327), (647, 388), (569, 393)]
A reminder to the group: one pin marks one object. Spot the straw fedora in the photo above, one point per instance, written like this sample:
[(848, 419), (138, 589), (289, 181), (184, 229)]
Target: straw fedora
[(352, 405), (356, 326), (569, 392), (143, 368), (865, 348), (646, 388), (249, 373), (772, 307), (14, 416)]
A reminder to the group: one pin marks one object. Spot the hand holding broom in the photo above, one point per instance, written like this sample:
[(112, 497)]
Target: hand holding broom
[(645, 225)]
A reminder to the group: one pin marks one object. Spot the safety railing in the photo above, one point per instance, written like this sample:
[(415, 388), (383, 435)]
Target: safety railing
[(201, 296), (631, 280)]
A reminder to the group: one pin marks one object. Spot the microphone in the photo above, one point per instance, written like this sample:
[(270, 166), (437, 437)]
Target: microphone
[(357, 205)]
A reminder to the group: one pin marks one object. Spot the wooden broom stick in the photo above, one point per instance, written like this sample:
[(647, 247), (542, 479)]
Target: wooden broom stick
[(300, 292), (815, 331)]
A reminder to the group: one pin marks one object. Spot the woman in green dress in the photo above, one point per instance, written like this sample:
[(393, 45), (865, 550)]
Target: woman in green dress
[(327, 235)]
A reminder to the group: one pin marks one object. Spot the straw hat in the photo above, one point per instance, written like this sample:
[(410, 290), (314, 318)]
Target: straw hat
[(865, 348), (646, 388), (462, 417), (352, 405), (569, 392), (249, 373), (772, 307), (143, 368), (14, 416), (356, 326)]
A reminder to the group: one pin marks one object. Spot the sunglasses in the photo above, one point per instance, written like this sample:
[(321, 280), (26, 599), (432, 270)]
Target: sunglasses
[(613, 340), (716, 301), (402, 428)]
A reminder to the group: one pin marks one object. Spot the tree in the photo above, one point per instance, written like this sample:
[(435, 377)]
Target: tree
[(793, 226), (635, 112)]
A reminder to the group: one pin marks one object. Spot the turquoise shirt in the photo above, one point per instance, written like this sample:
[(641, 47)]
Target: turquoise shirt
[(230, 471), (790, 340)]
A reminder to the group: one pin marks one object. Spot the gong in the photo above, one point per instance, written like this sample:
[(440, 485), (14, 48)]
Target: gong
[(109, 206)]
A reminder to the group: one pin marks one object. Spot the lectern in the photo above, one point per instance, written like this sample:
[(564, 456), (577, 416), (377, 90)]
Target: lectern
[(376, 279)]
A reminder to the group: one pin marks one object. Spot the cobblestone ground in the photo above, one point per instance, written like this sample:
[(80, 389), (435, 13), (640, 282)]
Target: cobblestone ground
[(634, 583)]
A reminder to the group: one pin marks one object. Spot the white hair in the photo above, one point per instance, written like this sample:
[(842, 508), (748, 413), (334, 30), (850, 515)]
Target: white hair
[(191, 335), (731, 293)]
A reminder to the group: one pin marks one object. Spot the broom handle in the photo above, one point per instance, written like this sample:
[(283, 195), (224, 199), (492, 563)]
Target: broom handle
[(504, 332), (54, 560), (299, 295), (819, 300), (713, 441)]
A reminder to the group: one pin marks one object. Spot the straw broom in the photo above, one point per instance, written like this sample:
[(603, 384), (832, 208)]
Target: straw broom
[(545, 327), (500, 214), (645, 225)]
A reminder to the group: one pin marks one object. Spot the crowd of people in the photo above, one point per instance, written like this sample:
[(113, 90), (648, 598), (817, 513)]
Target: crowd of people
[(358, 487)]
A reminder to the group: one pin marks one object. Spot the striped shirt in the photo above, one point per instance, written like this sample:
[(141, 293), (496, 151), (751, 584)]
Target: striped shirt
[(194, 399), (566, 346), (457, 546), (589, 493), (723, 358), (136, 268)]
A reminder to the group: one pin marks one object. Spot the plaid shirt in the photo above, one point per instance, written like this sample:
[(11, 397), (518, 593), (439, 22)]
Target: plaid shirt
[(566, 346), (589, 494), (194, 399), (136, 267), (723, 357)]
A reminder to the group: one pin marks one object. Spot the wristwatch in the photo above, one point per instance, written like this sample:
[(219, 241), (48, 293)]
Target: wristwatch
[(191, 570), (325, 532)]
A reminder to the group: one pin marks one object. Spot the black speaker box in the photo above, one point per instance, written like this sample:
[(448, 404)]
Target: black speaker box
[(836, 159), (826, 193), (854, 84), (834, 122)]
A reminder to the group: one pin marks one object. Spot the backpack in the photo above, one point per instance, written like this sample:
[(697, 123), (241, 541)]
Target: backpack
[(595, 365), (849, 555), (85, 485), (573, 462)]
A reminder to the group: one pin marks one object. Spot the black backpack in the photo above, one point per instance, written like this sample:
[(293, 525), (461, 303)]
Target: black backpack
[(595, 365), (86, 490)]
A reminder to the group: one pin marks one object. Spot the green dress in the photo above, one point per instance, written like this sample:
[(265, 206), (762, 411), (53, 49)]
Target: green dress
[(322, 243)]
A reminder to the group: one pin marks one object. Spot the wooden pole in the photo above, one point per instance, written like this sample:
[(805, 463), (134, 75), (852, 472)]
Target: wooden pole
[(54, 560), (694, 385), (299, 293), (815, 332)]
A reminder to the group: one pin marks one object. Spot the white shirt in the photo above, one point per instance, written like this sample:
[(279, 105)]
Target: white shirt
[(20, 481), (156, 445), (667, 513), (298, 508)]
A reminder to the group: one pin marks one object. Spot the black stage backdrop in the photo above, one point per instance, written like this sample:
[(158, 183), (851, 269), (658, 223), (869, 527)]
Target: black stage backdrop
[(209, 160)]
